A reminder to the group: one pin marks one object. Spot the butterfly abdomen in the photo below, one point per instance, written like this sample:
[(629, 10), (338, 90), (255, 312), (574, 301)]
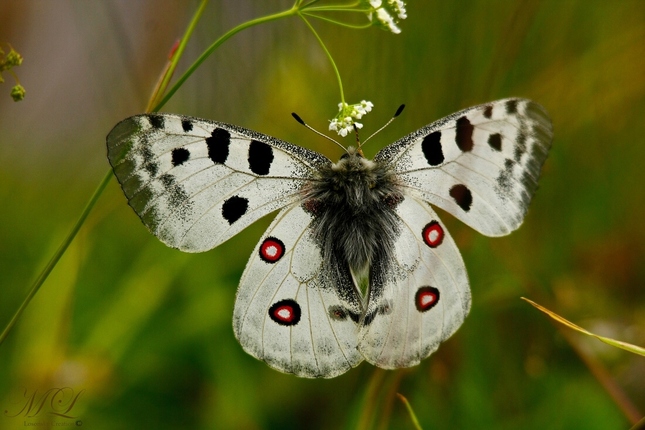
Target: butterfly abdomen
[(353, 203)]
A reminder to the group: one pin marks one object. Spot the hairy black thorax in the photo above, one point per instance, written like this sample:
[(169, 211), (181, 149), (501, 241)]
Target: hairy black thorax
[(353, 203)]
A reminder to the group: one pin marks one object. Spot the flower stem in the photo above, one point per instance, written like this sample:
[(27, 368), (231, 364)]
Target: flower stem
[(90, 204), (175, 57), (340, 23), (216, 44), (340, 82), (58, 254)]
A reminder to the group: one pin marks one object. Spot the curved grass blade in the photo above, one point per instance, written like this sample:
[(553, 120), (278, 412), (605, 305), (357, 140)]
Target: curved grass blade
[(613, 342)]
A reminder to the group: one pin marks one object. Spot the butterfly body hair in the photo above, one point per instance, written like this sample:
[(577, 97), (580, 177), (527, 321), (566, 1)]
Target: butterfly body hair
[(353, 204)]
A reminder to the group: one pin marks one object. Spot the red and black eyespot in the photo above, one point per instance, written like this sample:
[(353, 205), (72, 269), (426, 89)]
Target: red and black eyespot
[(285, 312), (426, 298), (433, 234), (271, 250)]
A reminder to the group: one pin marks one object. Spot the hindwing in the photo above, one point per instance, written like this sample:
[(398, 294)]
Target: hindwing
[(290, 312), (422, 298)]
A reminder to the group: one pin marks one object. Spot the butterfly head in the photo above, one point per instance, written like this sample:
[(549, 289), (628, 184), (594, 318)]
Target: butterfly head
[(355, 183), (353, 160)]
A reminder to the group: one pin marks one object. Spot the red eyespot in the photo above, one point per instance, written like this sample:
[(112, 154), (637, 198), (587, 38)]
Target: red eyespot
[(426, 298), (285, 312), (271, 250), (433, 234)]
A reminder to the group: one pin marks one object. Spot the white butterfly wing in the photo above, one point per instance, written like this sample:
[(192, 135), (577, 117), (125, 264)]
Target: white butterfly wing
[(480, 164), (195, 183), (290, 312), (423, 296)]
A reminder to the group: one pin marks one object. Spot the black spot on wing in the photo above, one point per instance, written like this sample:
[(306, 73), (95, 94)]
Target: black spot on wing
[(180, 156), (218, 145), (149, 163), (520, 147), (505, 178), (488, 112), (462, 196), (384, 309), (464, 137), (187, 125), (511, 107), (339, 313), (495, 141), (260, 157), (156, 121), (234, 207), (176, 196), (431, 147)]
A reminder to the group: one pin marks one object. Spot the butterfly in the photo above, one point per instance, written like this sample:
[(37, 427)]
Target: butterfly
[(356, 264)]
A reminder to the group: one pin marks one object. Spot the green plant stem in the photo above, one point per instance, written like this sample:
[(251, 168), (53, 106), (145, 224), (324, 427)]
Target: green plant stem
[(216, 44), (99, 190), (340, 82), (640, 425), (177, 54), (413, 416), (57, 255), (295, 10), (340, 23)]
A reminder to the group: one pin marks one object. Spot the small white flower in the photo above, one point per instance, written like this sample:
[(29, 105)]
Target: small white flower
[(399, 8), (385, 18), (344, 122), (386, 12)]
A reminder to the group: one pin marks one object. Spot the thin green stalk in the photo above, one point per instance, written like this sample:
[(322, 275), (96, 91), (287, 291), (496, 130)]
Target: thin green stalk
[(639, 425), (413, 416), (337, 8), (97, 193), (180, 50), (57, 255), (340, 82), (217, 43), (340, 23)]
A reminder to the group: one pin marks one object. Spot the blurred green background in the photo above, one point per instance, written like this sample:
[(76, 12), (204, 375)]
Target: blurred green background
[(144, 332)]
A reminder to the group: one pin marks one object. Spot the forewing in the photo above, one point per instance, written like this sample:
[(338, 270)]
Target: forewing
[(195, 183), (422, 297), (480, 164), (290, 311)]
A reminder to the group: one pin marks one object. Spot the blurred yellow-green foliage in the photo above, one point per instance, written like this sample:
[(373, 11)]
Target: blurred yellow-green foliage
[(144, 333)]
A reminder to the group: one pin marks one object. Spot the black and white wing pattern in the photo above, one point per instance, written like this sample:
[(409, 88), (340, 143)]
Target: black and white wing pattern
[(289, 312), (195, 183), (423, 297), (480, 164)]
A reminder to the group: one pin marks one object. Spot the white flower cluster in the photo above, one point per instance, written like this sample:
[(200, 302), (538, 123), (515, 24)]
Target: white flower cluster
[(344, 122), (384, 13)]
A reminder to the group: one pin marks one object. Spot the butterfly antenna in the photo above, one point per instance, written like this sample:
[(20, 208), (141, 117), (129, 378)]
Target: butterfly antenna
[(297, 118), (398, 112), (358, 140)]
